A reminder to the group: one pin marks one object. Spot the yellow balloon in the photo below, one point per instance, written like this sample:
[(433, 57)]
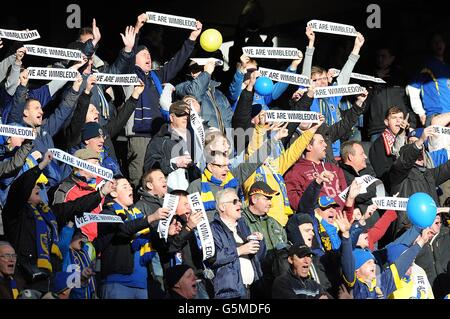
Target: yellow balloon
[(211, 40)]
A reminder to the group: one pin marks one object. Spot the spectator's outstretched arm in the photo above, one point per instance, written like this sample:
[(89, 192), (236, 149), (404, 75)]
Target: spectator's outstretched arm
[(347, 259), (5, 64), (10, 167), (126, 56), (171, 68), (12, 81), (311, 194), (416, 102), (347, 69), (307, 64), (242, 116), (196, 87)]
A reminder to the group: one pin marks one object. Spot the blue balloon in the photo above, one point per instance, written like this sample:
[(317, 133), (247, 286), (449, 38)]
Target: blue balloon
[(421, 210), (263, 85)]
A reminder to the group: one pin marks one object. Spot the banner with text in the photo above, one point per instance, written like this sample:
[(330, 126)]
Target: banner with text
[(116, 79), (81, 164), (293, 116), (441, 130), (271, 53), (286, 77), (17, 131), (171, 203), (338, 90), (331, 27), (171, 20), (358, 76), (89, 218), (19, 35), (203, 228), (52, 74), (365, 181), (52, 52), (394, 203), (203, 61)]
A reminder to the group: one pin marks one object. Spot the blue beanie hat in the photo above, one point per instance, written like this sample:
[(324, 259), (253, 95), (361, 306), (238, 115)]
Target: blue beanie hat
[(394, 251), (361, 257), (416, 132), (356, 230)]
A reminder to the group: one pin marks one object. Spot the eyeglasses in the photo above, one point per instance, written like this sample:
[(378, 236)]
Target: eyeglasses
[(220, 166), (234, 201), (9, 256), (320, 79), (181, 114)]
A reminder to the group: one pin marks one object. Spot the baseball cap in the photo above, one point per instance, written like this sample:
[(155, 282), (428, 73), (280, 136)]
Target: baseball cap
[(85, 154), (263, 189), (300, 251), (325, 201)]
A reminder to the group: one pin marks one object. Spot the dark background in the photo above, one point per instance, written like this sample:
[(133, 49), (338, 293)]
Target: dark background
[(405, 26)]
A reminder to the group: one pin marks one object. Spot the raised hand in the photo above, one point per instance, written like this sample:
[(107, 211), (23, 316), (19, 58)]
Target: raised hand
[(110, 186), (141, 19), (210, 66), (359, 41), (354, 190), (194, 34), (361, 98), (138, 89), (77, 83), (24, 77), (325, 177), (160, 213), (194, 219), (343, 223), (174, 228), (311, 36), (183, 161), (46, 160), (282, 132), (370, 210), (95, 32), (20, 53), (129, 38), (90, 82), (295, 63), (316, 126)]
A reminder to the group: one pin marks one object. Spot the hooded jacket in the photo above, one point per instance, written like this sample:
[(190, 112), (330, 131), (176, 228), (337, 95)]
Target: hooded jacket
[(304, 171)]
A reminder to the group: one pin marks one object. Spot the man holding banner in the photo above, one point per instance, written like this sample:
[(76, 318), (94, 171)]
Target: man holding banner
[(147, 119), (328, 106), (125, 248)]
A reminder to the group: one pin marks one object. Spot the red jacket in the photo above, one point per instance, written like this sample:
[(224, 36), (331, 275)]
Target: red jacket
[(304, 171), (72, 188), (378, 230)]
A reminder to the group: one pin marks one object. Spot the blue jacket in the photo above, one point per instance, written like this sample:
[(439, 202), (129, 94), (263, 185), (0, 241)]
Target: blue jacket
[(236, 89), (216, 110), (49, 128), (385, 282), (225, 263)]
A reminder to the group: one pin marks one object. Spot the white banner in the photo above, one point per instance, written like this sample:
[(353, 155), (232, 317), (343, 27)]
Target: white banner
[(52, 74), (89, 218), (81, 164), (338, 90), (293, 116), (331, 27), (19, 35), (394, 203), (359, 76), (171, 20), (271, 53), (441, 130), (286, 77), (170, 202), (203, 228), (197, 126), (116, 79), (52, 52), (203, 61), (365, 181), (17, 131)]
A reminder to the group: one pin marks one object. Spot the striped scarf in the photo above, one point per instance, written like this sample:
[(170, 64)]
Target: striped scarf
[(388, 141), (83, 259), (206, 193), (46, 236), (13, 287), (141, 240)]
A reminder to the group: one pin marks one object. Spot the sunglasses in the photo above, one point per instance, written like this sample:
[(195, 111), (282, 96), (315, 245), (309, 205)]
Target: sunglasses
[(234, 201), (181, 114)]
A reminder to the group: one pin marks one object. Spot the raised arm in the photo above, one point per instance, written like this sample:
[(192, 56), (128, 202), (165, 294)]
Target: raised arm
[(307, 64), (347, 69)]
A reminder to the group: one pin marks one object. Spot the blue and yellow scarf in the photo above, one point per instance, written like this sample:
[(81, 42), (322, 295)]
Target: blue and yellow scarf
[(207, 195), (141, 240), (83, 260), (46, 236), (13, 287)]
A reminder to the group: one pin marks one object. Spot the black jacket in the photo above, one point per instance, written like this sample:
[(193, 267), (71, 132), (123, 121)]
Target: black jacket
[(330, 133), (19, 220), (434, 259), (380, 161), (289, 286), (162, 148), (114, 244), (406, 178), (72, 133)]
